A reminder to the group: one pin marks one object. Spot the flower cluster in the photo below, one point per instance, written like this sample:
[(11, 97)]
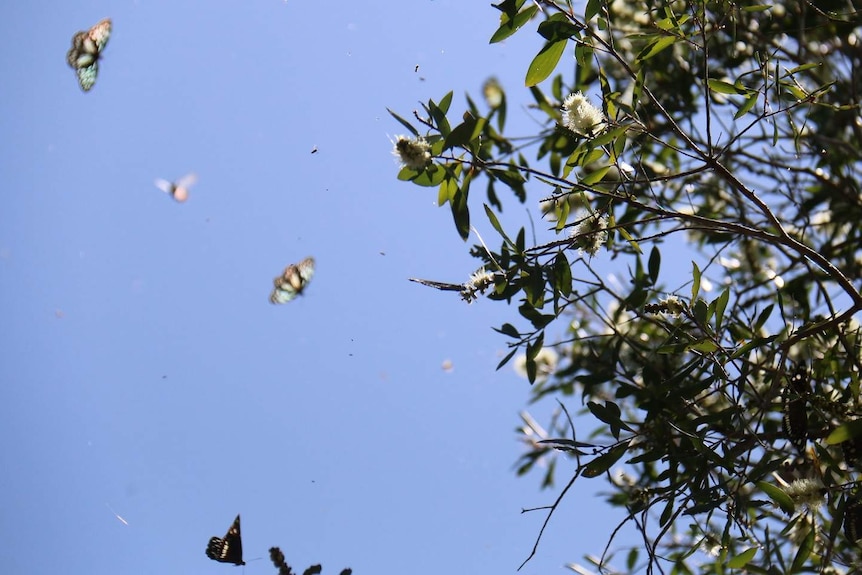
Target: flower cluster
[(413, 153), (479, 281), (546, 364), (590, 234), (581, 117), (807, 492)]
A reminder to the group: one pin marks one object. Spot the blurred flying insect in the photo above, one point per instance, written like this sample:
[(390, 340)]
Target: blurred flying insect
[(86, 51), (178, 190), (292, 281)]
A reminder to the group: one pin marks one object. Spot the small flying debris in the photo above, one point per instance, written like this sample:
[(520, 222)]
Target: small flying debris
[(178, 190), (117, 515)]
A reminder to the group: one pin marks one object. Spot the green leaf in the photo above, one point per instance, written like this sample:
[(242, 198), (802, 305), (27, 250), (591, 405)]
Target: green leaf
[(603, 462), (558, 27), (545, 62), (655, 47), (628, 237), (462, 134), (430, 177), (439, 119), (704, 346), (695, 281), (654, 264), (535, 346), (495, 223), (595, 176), (509, 329), (742, 559), (461, 214), (511, 23), (753, 344), (747, 105), (593, 7), (506, 359), (805, 549), (845, 431), (723, 87), (404, 123), (562, 274), (608, 413), (720, 305), (445, 102), (778, 497)]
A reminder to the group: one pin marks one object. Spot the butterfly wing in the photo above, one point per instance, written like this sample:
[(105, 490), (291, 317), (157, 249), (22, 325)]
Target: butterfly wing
[(75, 51), (215, 549), (187, 181), (438, 285), (87, 75), (165, 186), (292, 282), (99, 34), (85, 52), (229, 549)]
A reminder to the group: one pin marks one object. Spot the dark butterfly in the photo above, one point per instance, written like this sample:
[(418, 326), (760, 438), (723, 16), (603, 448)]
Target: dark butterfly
[(852, 450), (85, 52), (439, 285), (794, 406), (229, 549), (292, 281), (853, 520), (178, 190)]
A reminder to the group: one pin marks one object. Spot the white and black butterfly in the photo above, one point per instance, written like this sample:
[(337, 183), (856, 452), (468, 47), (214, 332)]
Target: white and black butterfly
[(229, 549), (291, 283), (85, 52), (178, 190)]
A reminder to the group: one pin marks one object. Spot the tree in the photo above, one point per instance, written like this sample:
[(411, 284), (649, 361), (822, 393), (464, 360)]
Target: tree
[(725, 407)]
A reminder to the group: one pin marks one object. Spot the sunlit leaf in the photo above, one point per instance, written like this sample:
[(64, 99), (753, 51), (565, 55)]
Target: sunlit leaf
[(545, 61)]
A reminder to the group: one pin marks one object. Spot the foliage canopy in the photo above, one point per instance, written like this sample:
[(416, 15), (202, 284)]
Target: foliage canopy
[(725, 406)]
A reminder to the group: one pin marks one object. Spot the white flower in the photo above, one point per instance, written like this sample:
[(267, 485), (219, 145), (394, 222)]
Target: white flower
[(581, 117), (589, 235), (413, 153), (546, 364), (673, 305), (808, 492), (479, 281)]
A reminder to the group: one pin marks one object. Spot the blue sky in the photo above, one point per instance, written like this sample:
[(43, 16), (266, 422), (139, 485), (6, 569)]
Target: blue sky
[(145, 372)]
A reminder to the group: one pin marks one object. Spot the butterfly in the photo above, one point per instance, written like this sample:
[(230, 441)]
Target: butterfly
[(439, 285), (178, 190), (229, 549), (794, 406), (853, 520), (86, 50), (291, 283)]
